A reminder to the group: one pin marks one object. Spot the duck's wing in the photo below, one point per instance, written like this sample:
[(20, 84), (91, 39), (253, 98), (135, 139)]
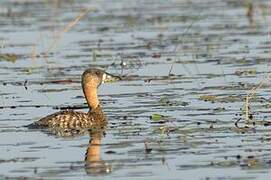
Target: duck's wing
[(65, 119)]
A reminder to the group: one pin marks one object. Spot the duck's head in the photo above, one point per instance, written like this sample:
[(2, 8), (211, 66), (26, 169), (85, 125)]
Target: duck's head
[(95, 77), (91, 80)]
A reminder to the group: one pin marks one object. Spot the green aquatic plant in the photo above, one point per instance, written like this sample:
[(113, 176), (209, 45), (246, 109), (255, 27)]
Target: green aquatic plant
[(156, 117), (9, 57)]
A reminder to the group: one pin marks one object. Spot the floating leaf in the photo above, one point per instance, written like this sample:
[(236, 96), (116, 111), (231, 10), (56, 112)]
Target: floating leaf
[(246, 72), (183, 103), (207, 97), (156, 117), (219, 109), (164, 100), (156, 55), (8, 57)]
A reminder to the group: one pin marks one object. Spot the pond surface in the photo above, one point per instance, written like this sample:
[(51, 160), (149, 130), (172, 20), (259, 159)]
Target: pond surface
[(188, 66)]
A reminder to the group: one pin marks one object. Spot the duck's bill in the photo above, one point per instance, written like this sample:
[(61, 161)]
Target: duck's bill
[(110, 78)]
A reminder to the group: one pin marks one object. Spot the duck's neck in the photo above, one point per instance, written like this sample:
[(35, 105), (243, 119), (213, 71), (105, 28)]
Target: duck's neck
[(91, 95)]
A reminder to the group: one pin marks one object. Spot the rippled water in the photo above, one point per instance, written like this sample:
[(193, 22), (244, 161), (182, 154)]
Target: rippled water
[(191, 61)]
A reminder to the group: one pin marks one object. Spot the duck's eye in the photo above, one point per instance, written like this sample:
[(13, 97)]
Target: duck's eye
[(98, 73)]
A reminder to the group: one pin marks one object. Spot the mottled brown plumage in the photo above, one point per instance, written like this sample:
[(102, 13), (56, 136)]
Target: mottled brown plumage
[(72, 119), (91, 80)]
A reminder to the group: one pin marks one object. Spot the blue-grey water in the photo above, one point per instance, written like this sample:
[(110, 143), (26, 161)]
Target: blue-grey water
[(191, 61)]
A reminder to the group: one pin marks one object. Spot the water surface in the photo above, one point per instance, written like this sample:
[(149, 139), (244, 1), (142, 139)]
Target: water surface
[(191, 61)]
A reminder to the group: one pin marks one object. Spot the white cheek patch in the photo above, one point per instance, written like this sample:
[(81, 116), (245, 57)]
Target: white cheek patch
[(104, 78)]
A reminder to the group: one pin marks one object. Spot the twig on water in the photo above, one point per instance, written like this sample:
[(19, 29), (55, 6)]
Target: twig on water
[(170, 70), (250, 95)]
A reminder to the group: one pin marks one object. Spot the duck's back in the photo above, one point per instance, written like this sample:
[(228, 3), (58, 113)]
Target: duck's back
[(71, 119), (65, 119)]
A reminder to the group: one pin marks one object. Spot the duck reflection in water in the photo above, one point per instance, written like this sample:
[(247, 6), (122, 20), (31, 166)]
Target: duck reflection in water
[(94, 165), (71, 123)]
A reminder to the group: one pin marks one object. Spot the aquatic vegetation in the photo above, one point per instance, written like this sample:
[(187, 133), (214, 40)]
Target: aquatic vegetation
[(8, 57), (156, 117)]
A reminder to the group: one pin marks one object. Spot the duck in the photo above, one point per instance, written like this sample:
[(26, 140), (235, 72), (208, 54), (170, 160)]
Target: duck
[(91, 79)]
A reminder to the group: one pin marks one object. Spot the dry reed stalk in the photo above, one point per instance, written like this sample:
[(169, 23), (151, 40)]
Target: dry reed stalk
[(179, 47), (34, 53), (34, 48), (66, 29), (250, 95), (247, 104)]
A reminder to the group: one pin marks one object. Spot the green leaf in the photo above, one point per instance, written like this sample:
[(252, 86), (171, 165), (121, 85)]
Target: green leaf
[(156, 117)]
